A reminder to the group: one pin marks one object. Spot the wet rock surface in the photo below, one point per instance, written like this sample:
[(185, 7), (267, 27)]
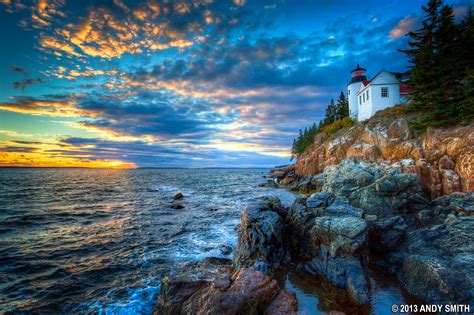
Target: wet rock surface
[(260, 238), (436, 263), (207, 289), (177, 206), (284, 304), (332, 235), (242, 286), (178, 196)]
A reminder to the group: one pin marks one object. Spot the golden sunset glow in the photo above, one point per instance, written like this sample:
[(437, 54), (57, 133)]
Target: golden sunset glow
[(39, 159)]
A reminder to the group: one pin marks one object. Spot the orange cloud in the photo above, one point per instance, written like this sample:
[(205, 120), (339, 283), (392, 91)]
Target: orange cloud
[(48, 42), (106, 34), (240, 2), (43, 12), (403, 27), (107, 134), (45, 107)]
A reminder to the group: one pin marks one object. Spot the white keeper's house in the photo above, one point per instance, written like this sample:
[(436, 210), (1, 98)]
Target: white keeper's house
[(366, 97)]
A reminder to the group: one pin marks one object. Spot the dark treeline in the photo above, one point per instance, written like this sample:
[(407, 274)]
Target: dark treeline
[(441, 74), (335, 111)]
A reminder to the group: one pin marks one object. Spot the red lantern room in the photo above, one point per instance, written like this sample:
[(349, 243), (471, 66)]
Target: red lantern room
[(358, 75)]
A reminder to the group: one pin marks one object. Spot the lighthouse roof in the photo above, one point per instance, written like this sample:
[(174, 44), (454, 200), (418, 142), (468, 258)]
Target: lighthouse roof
[(359, 68)]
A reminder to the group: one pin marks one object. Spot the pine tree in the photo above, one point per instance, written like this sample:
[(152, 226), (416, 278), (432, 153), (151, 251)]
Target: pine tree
[(422, 58), (293, 150), (448, 91), (466, 42), (330, 113), (342, 106)]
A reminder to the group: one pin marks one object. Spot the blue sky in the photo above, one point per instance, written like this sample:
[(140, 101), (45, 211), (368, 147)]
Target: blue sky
[(198, 83)]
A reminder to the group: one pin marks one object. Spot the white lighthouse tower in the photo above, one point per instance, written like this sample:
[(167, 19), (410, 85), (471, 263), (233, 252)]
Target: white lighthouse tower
[(357, 77)]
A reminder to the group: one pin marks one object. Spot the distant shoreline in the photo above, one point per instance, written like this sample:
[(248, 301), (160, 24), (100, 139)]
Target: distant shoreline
[(137, 168)]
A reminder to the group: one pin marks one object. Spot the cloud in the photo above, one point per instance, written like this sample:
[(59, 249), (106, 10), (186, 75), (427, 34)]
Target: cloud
[(112, 31), (18, 69), (269, 6), (240, 2), (50, 107), (44, 11), (57, 45), (460, 11), (22, 84), (404, 26)]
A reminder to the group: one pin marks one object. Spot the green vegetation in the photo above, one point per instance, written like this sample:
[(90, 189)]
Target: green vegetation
[(338, 125), (337, 117), (441, 75)]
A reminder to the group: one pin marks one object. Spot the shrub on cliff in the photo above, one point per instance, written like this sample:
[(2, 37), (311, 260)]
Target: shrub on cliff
[(338, 125)]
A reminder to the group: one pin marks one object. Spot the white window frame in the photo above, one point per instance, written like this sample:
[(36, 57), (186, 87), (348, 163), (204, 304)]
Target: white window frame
[(367, 95), (382, 90)]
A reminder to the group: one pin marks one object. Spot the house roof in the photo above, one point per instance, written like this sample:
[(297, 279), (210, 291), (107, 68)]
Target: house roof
[(404, 88), (366, 82)]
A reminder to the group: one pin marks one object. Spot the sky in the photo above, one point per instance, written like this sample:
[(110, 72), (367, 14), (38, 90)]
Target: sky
[(197, 83)]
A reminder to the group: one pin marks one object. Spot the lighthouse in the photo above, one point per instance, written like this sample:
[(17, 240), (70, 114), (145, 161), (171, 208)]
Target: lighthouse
[(357, 77), (366, 97)]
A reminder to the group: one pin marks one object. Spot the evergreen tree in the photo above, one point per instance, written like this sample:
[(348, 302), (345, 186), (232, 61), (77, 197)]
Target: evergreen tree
[(448, 91), (330, 113), (422, 58), (466, 42), (440, 75), (293, 150), (342, 106)]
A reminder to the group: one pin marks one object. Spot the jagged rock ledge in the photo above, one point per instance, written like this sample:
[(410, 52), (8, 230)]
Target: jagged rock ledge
[(245, 285), (442, 158), (362, 209)]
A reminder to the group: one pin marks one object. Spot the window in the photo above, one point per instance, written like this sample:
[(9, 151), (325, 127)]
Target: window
[(363, 97), (360, 99), (384, 91), (367, 97), (348, 92)]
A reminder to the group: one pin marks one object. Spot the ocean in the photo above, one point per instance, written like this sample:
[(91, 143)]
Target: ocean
[(100, 240)]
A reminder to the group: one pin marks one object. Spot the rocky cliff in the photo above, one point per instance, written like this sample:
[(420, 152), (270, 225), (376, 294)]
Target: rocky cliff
[(443, 158)]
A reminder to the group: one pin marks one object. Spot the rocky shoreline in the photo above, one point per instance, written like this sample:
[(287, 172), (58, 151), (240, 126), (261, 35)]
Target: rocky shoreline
[(360, 210)]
